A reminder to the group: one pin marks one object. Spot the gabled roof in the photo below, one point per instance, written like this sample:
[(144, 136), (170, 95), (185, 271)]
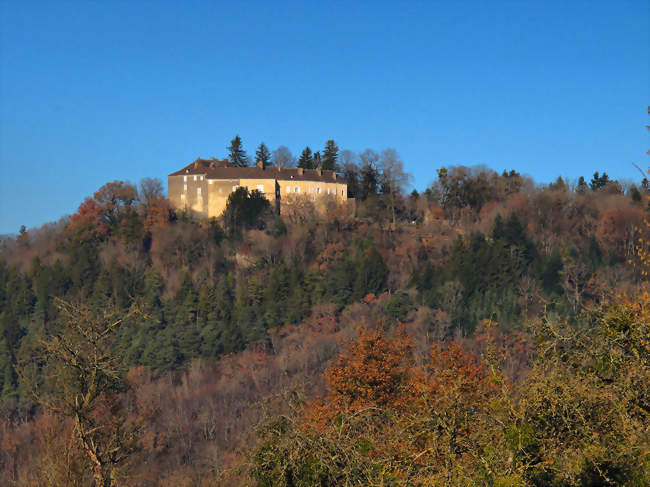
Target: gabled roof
[(223, 169)]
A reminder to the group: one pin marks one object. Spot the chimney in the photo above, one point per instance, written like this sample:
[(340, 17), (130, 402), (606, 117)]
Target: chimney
[(300, 171), (319, 171), (260, 164)]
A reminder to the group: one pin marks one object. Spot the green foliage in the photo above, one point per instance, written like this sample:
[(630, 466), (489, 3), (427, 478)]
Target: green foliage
[(306, 159), (236, 153), (262, 156), (330, 156), (244, 210), (399, 305)]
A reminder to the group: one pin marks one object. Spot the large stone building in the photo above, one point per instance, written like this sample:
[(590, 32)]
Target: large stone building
[(203, 187)]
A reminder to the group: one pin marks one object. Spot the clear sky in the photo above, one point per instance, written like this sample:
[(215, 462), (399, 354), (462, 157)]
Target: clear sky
[(95, 91)]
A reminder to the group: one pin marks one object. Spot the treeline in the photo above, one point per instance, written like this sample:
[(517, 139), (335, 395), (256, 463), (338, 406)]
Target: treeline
[(476, 245)]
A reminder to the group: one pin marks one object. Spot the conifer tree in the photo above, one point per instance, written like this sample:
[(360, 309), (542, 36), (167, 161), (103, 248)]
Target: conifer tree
[(262, 156), (317, 160), (306, 160), (330, 156), (237, 155)]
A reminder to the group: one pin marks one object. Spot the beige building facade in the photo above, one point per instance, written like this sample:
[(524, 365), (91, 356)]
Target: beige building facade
[(203, 187)]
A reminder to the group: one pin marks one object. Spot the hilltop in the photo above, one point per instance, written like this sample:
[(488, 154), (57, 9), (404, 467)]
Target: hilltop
[(239, 314)]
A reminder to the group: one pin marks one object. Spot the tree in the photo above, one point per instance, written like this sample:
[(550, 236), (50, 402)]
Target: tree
[(330, 156), (262, 156), (236, 153), (84, 381), (115, 200), (283, 158), (243, 209), (150, 189), (317, 160), (351, 175), (306, 160), (599, 182), (394, 177)]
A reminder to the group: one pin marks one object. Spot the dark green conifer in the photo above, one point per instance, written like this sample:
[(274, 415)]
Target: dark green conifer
[(306, 160), (236, 153), (330, 156), (262, 156)]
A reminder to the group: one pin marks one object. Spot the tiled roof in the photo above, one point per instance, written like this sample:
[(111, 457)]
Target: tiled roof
[(216, 169)]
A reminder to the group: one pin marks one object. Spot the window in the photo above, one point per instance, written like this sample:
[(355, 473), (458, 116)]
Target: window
[(194, 178), (288, 189), (198, 191), (184, 178), (234, 188), (318, 190), (311, 189), (210, 181), (182, 196), (201, 178), (342, 192), (260, 188), (328, 191), (296, 189), (185, 187), (313, 198)]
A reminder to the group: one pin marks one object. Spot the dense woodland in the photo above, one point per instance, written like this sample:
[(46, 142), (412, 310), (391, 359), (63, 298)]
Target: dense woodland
[(488, 331)]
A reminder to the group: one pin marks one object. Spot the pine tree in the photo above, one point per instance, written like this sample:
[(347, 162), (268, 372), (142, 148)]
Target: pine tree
[(306, 160), (330, 156), (237, 155), (317, 160), (262, 156)]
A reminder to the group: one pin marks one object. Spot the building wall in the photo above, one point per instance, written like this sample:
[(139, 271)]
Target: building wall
[(190, 192), (207, 198)]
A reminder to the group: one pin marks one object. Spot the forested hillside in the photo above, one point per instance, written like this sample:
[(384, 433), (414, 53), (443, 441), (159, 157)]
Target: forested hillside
[(488, 331)]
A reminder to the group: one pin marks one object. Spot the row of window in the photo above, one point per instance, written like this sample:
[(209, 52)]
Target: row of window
[(317, 190), (200, 178), (260, 188)]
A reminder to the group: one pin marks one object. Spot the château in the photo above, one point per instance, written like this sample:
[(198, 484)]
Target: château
[(203, 187)]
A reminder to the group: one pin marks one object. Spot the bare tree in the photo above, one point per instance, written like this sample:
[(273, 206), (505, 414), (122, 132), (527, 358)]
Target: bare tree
[(150, 188), (394, 176), (83, 380), (283, 157)]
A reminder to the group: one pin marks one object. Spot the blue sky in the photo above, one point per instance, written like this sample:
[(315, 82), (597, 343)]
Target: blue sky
[(92, 92)]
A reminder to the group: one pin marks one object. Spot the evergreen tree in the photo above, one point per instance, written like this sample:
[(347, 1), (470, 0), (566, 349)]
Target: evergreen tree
[(330, 156), (306, 160), (263, 156), (582, 185), (317, 160), (369, 181), (599, 182), (237, 155)]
